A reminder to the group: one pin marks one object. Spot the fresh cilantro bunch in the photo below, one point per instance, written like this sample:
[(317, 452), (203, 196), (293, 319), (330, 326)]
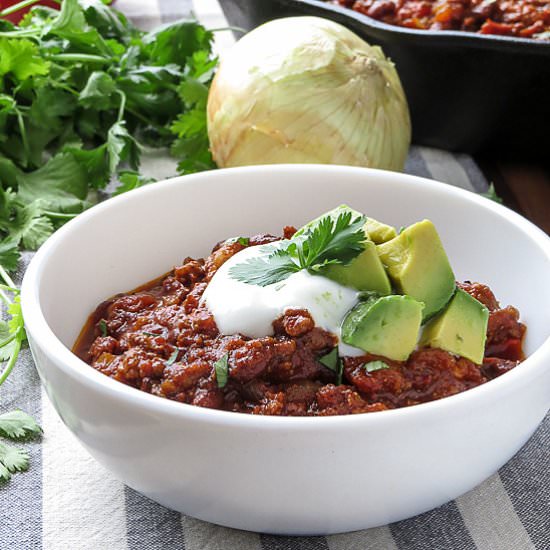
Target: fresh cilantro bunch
[(80, 90), (324, 242)]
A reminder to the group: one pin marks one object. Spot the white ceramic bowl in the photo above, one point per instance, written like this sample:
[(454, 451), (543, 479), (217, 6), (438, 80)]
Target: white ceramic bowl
[(286, 475)]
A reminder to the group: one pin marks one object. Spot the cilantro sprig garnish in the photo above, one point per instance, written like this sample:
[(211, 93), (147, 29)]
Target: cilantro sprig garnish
[(81, 91), (221, 367), (333, 361), (491, 194), (326, 241)]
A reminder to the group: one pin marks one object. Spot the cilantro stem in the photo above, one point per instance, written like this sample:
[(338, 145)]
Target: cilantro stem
[(64, 86), (122, 106), (9, 288), (59, 215), (17, 7), (139, 116), (76, 57), (23, 131), (10, 285), (13, 358), (7, 279)]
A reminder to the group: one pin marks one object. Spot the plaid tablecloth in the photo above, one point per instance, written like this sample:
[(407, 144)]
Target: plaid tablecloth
[(67, 501)]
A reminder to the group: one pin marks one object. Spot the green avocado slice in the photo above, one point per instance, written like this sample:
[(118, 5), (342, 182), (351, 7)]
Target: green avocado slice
[(386, 326), (460, 329), (418, 266), (379, 232), (365, 272)]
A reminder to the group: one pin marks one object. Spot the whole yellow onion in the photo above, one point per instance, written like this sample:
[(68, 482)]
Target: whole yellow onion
[(307, 90)]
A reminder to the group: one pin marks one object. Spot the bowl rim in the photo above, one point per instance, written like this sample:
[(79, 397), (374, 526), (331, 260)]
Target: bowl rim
[(71, 365), (462, 38)]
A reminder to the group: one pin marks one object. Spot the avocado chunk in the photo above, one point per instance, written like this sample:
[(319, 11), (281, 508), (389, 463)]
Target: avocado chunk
[(365, 272), (460, 329), (379, 232), (418, 266), (386, 326)]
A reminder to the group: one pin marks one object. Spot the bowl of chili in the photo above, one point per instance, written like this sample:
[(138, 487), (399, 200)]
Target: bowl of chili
[(291, 475)]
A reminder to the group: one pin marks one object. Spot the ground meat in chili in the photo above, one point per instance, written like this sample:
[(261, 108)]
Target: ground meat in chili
[(161, 340), (522, 18)]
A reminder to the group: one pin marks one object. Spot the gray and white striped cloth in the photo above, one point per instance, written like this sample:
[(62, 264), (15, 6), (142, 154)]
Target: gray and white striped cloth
[(66, 501)]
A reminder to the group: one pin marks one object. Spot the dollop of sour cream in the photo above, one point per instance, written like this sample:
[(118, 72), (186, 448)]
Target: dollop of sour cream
[(248, 309)]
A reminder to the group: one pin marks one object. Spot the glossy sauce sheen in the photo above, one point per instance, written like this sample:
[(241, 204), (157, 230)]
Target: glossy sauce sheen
[(163, 339)]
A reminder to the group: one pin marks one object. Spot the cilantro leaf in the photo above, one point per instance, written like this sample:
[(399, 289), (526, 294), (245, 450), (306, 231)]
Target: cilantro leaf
[(173, 357), (176, 42), (21, 58), (9, 254), (110, 23), (98, 92), (21, 223), (189, 124), (326, 241), (193, 92), (17, 424), (94, 163), (333, 361), (265, 270), (373, 366), (193, 152), (330, 360), (243, 241), (16, 324), (12, 333), (121, 146), (27, 225), (131, 180), (491, 194), (221, 367), (71, 25), (8, 173), (50, 105), (192, 145), (12, 460), (7, 342), (202, 65), (60, 184)]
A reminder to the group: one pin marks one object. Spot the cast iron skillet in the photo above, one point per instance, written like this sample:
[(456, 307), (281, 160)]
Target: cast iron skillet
[(467, 92)]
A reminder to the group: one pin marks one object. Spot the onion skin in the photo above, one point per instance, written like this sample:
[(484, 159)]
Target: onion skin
[(307, 90)]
